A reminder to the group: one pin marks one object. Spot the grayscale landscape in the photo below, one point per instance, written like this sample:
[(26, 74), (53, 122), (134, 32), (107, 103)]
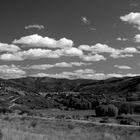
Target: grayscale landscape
[(70, 70)]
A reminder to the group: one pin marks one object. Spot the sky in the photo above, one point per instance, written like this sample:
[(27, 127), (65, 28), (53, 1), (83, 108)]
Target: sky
[(89, 39)]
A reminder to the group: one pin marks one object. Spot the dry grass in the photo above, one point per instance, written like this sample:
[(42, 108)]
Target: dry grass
[(38, 129)]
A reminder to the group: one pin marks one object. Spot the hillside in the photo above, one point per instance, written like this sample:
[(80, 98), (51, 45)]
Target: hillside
[(46, 84), (26, 93)]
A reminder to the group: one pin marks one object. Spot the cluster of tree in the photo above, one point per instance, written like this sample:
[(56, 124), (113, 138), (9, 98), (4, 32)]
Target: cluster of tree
[(125, 108), (106, 110), (78, 102), (88, 101), (112, 111)]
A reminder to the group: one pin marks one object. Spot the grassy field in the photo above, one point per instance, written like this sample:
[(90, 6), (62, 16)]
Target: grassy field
[(31, 128), (55, 112)]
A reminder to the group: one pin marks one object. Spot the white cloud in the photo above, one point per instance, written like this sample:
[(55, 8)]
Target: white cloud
[(122, 39), (61, 64), (31, 54), (132, 18), (39, 67), (115, 56), (41, 53), (137, 38), (39, 41), (85, 20), (59, 48), (129, 50), (93, 58), (80, 64), (72, 52), (8, 48), (34, 26), (115, 53), (122, 67), (11, 57), (103, 48), (84, 71), (11, 71), (98, 48), (71, 64)]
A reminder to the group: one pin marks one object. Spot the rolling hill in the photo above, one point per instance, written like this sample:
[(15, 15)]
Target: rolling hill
[(46, 84), (25, 92)]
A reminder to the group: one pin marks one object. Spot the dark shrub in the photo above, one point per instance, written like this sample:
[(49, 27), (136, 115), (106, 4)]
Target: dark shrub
[(101, 110), (70, 126), (137, 108), (125, 109), (127, 121), (33, 123), (5, 110), (112, 111)]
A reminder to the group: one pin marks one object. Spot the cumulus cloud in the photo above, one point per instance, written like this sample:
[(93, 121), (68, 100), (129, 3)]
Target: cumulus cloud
[(39, 41), (118, 55), (61, 64), (80, 64), (122, 39), (11, 71), (84, 71), (72, 52), (39, 67), (48, 66), (132, 18), (31, 54), (129, 50), (57, 48), (137, 38), (11, 57), (93, 58), (8, 48), (34, 26), (97, 48), (122, 67), (71, 64), (103, 48), (38, 53)]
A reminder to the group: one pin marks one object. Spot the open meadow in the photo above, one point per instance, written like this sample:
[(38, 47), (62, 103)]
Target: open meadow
[(15, 127)]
